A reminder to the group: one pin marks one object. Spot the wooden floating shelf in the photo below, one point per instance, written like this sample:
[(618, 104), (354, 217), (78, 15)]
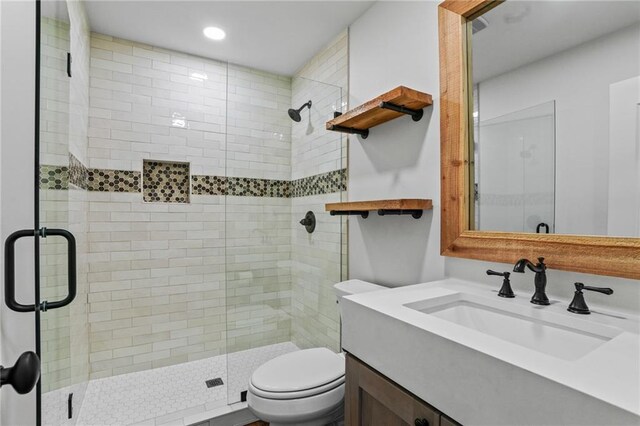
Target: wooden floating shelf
[(390, 105), (412, 206)]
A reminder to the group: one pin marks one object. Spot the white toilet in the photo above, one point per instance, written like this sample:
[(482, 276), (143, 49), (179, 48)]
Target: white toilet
[(303, 388)]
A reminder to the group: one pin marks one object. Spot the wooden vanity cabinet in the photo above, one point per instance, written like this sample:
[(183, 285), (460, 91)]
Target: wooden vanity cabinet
[(373, 400)]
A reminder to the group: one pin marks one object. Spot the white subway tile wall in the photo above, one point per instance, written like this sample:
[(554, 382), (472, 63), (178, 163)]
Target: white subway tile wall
[(258, 271), (64, 111), (316, 262), (171, 283), (258, 127), (150, 103), (78, 197), (54, 92), (54, 150), (315, 268), (156, 277), (79, 87)]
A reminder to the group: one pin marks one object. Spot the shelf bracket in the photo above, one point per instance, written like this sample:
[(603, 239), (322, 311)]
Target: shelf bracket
[(363, 213), (416, 114), (416, 214), (351, 130)]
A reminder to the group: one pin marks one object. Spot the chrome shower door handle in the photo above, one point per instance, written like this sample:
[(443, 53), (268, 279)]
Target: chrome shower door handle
[(10, 275)]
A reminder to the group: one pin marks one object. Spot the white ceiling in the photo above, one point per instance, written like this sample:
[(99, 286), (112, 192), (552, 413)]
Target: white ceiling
[(521, 32), (276, 36)]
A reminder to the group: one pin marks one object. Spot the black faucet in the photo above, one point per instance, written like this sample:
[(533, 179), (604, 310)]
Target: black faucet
[(539, 296)]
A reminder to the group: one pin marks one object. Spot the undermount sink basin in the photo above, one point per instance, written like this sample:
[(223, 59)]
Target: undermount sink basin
[(445, 340), (565, 341)]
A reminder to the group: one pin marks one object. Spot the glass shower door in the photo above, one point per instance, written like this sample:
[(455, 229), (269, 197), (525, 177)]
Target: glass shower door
[(63, 331)]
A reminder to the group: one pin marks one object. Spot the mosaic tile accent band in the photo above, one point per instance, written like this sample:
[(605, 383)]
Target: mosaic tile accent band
[(113, 180), (208, 185), (240, 187), (325, 183), (78, 173), (54, 177), (171, 185), (165, 182), (249, 187)]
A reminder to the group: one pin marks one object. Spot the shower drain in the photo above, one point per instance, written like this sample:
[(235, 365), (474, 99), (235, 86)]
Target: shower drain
[(214, 382)]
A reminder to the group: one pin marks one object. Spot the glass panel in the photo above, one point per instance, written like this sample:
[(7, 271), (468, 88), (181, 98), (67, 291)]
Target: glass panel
[(131, 157), (63, 331), (183, 180), (279, 277), (316, 257), (515, 171)]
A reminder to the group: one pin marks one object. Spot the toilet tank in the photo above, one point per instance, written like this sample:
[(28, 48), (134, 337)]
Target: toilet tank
[(349, 287)]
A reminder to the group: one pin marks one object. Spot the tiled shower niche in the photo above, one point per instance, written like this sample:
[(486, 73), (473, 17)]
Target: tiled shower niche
[(165, 182)]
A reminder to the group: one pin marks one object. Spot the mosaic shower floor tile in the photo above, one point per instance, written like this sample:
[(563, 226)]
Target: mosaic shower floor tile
[(164, 395)]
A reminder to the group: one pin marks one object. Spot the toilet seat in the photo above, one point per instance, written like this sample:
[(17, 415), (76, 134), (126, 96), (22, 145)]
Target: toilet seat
[(314, 410), (300, 388), (299, 374), (299, 394)]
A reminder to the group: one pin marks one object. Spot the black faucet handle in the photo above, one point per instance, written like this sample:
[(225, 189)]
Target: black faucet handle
[(505, 290), (578, 304), (603, 290), (499, 274)]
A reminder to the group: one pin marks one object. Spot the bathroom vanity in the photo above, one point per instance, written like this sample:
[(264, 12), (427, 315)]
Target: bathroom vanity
[(373, 399), (453, 349)]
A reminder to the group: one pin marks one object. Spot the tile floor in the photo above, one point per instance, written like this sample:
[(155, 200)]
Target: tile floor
[(162, 396)]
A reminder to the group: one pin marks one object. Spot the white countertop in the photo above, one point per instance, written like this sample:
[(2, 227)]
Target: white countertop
[(609, 374)]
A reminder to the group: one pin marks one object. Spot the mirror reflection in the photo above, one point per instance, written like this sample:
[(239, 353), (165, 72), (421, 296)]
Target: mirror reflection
[(556, 113)]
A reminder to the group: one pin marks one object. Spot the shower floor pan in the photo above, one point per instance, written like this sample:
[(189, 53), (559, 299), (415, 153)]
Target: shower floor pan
[(174, 395)]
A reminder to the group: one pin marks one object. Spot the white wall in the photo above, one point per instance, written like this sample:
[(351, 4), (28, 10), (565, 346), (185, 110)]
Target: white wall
[(401, 159), (624, 158), (16, 177), (392, 44), (578, 80)]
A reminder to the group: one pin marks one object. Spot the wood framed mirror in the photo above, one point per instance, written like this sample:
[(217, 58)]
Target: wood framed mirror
[(601, 255)]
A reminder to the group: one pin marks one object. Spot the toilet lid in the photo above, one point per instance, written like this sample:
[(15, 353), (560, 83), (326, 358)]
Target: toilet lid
[(299, 371)]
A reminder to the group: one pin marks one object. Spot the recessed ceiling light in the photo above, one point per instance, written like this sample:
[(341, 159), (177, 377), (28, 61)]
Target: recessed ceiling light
[(214, 33)]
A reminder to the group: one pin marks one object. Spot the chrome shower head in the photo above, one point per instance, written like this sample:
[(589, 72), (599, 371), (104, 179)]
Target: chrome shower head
[(294, 114)]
